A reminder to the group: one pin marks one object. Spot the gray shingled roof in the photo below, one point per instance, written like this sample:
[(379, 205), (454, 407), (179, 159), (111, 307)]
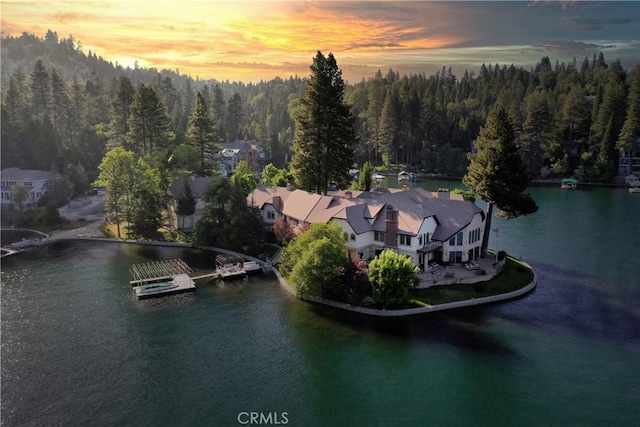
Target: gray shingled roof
[(198, 185), (415, 205), (358, 208), (17, 174)]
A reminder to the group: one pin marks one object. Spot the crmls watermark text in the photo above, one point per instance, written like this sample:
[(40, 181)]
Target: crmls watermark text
[(263, 418)]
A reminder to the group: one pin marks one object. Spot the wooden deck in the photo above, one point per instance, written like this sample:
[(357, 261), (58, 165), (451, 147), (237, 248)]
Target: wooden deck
[(176, 285), (158, 271)]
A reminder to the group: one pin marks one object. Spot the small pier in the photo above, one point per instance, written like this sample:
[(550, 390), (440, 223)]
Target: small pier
[(176, 285), (159, 278), (158, 271)]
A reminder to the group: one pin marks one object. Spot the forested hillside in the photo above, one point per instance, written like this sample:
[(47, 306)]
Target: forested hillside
[(63, 108)]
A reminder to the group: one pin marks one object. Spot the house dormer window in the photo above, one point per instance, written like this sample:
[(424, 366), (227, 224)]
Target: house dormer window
[(405, 240)]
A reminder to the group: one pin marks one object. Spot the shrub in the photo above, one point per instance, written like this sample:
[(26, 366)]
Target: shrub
[(392, 276)]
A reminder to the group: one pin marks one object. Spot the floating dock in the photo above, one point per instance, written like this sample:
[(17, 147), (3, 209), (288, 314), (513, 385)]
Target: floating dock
[(160, 278), (158, 271), (176, 285)]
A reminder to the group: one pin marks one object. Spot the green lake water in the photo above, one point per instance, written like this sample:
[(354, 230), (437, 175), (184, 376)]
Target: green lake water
[(79, 349)]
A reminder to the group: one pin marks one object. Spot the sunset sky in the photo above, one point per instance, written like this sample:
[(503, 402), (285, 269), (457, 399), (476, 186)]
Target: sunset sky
[(253, 41)]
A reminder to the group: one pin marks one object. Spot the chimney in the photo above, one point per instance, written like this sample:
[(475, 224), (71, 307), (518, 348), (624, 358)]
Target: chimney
[(290, 187), (348, 194), (391, 227), (405, 187), (443, 193)]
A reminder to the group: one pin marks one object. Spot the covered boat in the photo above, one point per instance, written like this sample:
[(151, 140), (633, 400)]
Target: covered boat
[(569, 184)]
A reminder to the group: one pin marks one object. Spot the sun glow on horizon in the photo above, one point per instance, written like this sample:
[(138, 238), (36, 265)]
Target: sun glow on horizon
[(260, 40)]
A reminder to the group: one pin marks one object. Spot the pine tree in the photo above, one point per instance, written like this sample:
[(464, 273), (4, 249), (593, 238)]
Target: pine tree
[(120, 114), (496, 173), (537, 130), (149, 123), (235, 116), (630, 131), (201, 135), (186, 204), (324, 136), (13, 114), (390, 124), (60, 110), (40, 93), (218, 113)]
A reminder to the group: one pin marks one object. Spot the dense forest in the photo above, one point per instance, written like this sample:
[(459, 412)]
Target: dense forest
[(64, 108)]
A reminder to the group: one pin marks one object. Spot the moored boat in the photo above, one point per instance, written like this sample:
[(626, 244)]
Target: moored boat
[(403, 176), (569, 184)]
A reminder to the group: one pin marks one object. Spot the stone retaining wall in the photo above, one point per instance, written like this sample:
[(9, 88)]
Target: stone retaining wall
[(417, 310)]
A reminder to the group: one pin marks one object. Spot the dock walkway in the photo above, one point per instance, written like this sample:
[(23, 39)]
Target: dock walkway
[(158, 271)]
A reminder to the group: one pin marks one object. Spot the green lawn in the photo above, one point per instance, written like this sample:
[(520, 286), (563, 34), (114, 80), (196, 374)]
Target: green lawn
[(514, 276)]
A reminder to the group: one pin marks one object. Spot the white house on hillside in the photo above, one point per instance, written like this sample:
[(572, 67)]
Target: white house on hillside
[(35, 182), (425, 225)]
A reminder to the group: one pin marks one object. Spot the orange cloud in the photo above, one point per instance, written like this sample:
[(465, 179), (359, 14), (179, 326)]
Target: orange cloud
[(264, 39)]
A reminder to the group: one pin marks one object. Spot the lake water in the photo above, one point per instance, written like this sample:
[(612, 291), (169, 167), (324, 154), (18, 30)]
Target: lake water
[(79, 349)]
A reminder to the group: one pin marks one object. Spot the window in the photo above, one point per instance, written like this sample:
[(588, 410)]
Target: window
[(271, 215), (452, 241), (459, 239), (455, 256), (353, 236), (405, 240), (474, 235), (378, 236), (345, 236)]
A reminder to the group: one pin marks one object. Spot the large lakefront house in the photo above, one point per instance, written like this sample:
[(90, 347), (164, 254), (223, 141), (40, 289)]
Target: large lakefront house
[(427, 226), (34, 182)]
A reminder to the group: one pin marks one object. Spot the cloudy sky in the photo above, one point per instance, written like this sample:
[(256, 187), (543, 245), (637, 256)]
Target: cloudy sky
[(259, 40)]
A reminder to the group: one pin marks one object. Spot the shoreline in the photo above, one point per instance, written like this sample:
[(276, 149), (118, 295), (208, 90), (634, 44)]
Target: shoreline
[(403, 312), (322, 301)]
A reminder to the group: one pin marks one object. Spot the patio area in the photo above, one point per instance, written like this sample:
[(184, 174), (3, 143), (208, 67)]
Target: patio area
[(467, 273)]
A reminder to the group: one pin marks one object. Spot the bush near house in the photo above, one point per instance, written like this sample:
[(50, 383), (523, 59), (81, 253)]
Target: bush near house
[(392, 276)]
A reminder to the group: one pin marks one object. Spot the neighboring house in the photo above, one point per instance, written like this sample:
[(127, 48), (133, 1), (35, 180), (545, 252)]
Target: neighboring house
[(427, 226), (36, 182), (629, 162), (198, 187), (250, 151)]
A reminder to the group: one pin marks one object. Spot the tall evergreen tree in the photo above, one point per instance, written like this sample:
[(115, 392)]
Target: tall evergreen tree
[(537, 130), (59, 109), (324, 136), (390, 126), (120, 114), (218, 113), (201, 135), (149, 124), (630, 131), (496, 173), (235, 117), (13, 114), (186, 204), (40, 93)]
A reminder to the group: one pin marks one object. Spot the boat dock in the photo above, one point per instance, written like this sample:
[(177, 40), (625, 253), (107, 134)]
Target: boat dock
[(158, 278), (176, 285), (158, 271)]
